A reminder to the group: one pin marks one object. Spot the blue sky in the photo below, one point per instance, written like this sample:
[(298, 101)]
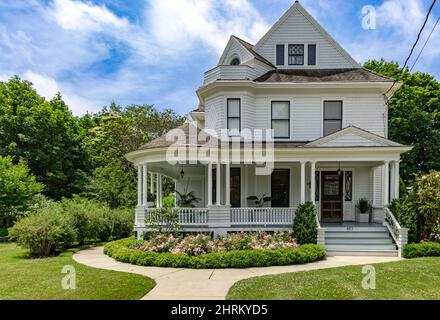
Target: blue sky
[(155, 51)]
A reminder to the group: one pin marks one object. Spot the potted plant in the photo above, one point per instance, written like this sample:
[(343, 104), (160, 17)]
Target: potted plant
[(259, 202), (150, 200), (364, 206), (186, 199)]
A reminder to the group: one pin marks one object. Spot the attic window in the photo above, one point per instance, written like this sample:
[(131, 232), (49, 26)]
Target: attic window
[(235, 62), (296, 54)]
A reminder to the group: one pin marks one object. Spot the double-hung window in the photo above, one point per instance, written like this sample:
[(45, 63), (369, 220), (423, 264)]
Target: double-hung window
[(332, 117), (281, 119), (234, 115), (296, 54)]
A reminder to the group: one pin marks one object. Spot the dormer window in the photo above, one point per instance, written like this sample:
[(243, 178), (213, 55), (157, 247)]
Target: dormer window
[(235, 62), (296, 54)]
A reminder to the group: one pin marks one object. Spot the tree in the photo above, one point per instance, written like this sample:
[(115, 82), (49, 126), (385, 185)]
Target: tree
[(111, 134), (414, 117), (45, 135), (18, 190)]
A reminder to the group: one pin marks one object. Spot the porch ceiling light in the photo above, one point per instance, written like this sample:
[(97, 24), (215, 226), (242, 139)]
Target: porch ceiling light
[(339, 170)]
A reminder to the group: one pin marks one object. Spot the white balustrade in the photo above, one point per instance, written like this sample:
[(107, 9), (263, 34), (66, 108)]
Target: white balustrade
[(262, 216)]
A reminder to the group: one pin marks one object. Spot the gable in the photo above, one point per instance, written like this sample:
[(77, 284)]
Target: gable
[(235, 49), (352, 137), (296, 26)]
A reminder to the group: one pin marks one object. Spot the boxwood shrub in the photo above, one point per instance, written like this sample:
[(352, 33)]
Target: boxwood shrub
[(122, 251), (417, 250)]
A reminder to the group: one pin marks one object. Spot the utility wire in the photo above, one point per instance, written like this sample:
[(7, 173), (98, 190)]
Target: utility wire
[(413, 47), (424, 46)]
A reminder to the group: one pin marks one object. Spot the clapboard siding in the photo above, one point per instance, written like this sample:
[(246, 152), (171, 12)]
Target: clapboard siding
[(215, 113), (351, 140), (306, 118), (367, 112), (296, 29), (236, 50)]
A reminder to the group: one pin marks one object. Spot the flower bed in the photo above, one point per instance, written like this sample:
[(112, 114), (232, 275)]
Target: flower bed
[(195, 245), (200, 252)]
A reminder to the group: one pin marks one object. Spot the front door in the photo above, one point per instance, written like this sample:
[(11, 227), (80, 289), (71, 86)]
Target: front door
[(331, 197)]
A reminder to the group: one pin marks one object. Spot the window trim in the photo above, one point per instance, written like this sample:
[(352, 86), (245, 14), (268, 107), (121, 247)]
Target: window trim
[(306, 54), (331, 99), (296, 55), (289, 119), (228, 117)]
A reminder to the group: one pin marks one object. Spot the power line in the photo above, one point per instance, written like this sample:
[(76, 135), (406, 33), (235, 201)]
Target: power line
[(413, 47), (426, 42)]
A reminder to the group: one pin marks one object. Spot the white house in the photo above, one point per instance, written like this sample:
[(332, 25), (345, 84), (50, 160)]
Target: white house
[(329, 142)]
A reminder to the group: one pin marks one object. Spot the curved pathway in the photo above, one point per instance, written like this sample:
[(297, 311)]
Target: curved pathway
[(190, 284)]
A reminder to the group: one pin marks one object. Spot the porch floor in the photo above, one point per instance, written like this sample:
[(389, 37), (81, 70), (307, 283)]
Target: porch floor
[(349, 224)]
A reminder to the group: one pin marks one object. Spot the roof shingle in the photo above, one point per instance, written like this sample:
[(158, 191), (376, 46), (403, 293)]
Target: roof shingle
[(322, 75)]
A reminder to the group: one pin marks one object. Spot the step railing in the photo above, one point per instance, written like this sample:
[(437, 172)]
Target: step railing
[(262, 216), (321, 231), (399, 234)]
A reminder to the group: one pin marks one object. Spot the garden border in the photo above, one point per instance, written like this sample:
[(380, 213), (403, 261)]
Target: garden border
[(120, 250)]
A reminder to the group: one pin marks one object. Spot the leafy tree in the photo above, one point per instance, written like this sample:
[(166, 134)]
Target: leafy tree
[(111, 134), (18, 190), (414, 117), (45, 135)]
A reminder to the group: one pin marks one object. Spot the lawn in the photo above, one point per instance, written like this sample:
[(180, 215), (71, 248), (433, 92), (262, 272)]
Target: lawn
[(40, 279), (409, 279)]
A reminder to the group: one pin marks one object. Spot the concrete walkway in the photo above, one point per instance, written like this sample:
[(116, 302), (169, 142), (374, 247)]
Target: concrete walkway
[(189, 284)]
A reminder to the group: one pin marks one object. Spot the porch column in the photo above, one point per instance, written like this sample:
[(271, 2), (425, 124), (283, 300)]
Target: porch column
[(396, 179), (144, 185), (152, 183), (303, 182), (312, 181), (217, 189), (139, 185), (209, 184), (159, 190), (228, 185), (386, 183), (392, 179)]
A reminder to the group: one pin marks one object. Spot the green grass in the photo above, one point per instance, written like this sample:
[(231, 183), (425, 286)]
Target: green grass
[(417, 279), (40, 279)]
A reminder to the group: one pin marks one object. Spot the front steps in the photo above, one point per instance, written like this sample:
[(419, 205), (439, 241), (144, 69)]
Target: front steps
[(359, 240)]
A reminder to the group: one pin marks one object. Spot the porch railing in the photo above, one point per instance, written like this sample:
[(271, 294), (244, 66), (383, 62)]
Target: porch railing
[(399, 234), (262, 216), (186, 216)]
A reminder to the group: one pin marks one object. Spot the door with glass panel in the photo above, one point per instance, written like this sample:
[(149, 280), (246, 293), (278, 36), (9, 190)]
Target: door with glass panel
[(331, 197)]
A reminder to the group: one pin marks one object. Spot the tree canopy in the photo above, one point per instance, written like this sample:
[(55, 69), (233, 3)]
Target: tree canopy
[(45, 135), (414, 117)]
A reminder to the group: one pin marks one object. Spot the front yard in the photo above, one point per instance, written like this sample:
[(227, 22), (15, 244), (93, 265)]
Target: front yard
[(417, 279), (40, 279)]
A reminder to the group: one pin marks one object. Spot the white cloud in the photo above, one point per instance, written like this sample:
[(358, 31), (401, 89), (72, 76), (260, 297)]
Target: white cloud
[(178, 24), (79, 15)]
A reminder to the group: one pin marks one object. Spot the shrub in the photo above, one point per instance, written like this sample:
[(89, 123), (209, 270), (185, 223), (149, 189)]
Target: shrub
[(406, 216), (44, 232), (425, 200), (163, 220), (18, 189), (304, 224), (168, 202), (122, 251), (426, 249)]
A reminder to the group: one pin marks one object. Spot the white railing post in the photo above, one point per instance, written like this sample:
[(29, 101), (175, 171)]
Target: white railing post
[(399, 234)]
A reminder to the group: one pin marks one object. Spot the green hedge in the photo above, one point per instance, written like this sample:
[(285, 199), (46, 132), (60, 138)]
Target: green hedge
[(417, 250), (121, 250)]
